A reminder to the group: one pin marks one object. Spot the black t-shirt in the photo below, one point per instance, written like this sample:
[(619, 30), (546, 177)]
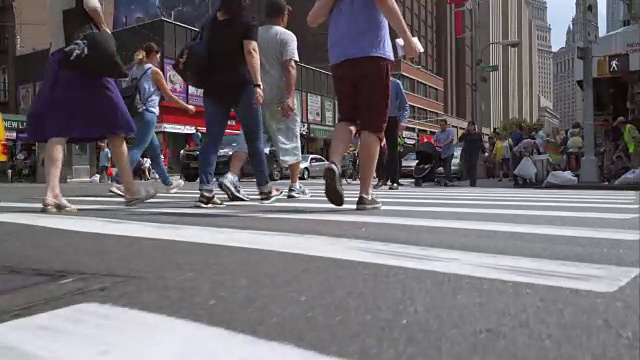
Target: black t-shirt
[(228, 74)]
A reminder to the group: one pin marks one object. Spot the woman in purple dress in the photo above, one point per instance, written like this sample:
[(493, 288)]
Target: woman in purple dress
[(78, 107)]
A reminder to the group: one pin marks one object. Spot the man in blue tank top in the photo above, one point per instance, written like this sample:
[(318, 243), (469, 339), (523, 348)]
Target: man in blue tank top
[(361, 56)]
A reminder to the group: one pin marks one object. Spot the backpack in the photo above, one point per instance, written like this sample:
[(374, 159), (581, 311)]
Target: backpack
[(192, 60), (131, 95)]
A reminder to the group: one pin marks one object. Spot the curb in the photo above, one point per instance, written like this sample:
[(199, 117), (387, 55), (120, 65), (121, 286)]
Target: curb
[(611, 187)]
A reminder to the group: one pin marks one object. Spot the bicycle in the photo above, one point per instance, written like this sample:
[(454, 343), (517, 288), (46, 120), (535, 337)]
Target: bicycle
[(352, 172)]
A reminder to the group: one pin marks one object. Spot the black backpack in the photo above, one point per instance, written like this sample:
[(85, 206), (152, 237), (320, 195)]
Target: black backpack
[(131, 95), (193, 59)]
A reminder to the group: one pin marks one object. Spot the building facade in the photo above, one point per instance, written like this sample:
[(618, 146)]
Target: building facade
[(566, 92), (510, 90), (544, 51), (617, 15)]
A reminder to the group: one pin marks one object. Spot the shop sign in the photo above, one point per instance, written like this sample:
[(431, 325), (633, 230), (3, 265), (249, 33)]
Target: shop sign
[(426, 138), (10, 135), (175, 128), (320, 132), (196, 96), (633, 47), (177, 86), (314, 109), (409, 135), (328, 112), (15, 124)]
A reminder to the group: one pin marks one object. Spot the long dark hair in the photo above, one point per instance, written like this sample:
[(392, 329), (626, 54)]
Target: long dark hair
[(233, 8)]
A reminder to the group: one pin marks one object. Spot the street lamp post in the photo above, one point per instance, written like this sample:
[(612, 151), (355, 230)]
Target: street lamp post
[(589, 163)]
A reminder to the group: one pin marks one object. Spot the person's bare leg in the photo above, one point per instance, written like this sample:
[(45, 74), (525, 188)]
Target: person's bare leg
[(294, 172), (238, 158), (54, 154), (120, 155), (369, 148), (341, 139)]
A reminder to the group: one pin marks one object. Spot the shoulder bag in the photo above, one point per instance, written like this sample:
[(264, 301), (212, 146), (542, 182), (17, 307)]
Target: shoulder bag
[(88, 48)]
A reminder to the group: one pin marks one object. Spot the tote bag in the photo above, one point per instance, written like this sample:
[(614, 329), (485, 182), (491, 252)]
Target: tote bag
[(88, 48)]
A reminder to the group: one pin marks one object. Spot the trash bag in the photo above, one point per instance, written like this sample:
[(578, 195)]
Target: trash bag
[(560, 178), (631, 177), (526, 170)]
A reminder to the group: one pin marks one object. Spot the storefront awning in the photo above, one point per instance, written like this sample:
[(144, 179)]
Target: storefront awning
[(320, 131)]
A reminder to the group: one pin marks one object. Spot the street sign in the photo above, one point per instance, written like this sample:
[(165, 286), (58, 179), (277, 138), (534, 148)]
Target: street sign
[(489, 68), (618, 63)]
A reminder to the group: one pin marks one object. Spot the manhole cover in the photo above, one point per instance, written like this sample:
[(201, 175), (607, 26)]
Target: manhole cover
[(11, 281)]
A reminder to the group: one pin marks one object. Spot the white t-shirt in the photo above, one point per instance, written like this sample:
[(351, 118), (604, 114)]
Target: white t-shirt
[(146, 162), (56, 7)]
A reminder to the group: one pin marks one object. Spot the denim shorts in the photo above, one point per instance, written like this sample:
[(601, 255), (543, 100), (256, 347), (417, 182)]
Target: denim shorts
[(283, 133)]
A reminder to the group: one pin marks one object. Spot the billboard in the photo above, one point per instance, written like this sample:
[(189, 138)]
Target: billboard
[(188, 12)]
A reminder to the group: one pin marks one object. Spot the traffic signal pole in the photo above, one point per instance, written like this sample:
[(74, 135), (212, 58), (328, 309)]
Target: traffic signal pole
[(589, 165)]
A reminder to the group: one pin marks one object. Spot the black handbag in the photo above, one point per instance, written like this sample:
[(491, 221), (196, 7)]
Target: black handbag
[(89, 49), (193, 59)]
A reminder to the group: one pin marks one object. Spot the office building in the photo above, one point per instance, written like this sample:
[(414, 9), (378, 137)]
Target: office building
[(510, 89), (544, 52), (617, 15)]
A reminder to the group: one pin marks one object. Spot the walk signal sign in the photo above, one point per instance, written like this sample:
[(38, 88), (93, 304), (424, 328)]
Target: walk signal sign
[(618, 63)]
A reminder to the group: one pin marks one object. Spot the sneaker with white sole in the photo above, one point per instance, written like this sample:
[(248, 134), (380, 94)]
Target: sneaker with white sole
[(175, 186), (231, 187), (117, 189), (298, 192)]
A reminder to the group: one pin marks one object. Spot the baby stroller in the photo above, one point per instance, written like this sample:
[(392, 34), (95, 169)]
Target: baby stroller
[(429, 160)]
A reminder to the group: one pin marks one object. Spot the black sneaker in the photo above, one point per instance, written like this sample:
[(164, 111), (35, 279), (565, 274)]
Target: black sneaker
[(209, 201), (393, 187), (333, 184), (270, 196), (368, 203), (379, 184)]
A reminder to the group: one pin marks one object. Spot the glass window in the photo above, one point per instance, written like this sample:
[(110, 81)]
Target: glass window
[(421, 89), (408, 84), (433, 93)]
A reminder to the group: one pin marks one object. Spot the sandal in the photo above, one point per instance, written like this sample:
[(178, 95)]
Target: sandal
[(57, 206), (142, 196)]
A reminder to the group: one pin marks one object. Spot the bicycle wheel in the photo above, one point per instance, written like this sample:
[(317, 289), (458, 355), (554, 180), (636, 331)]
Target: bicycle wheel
[(348, 176)]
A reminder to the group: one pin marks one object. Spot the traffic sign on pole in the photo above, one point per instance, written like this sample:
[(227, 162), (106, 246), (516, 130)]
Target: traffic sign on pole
[(489, 68)]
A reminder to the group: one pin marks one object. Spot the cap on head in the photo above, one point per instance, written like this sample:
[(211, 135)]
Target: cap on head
[(276, 8), (620, 120)]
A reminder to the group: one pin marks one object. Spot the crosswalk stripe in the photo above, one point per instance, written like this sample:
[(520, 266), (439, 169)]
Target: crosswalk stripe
[(551, 230), (96, 331), (393, 194), (296, 204), (583, 276)]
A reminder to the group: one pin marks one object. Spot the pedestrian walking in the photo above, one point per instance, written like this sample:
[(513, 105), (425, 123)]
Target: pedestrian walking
[(278, 56), (152, 86), (472, 147), (631, 141), (360, 54), (233, 81), (444, 139), (75, 106), (398, 115), (104, 163)]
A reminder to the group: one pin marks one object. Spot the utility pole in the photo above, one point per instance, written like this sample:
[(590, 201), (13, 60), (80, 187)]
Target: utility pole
[(477, 59), (589, 164)]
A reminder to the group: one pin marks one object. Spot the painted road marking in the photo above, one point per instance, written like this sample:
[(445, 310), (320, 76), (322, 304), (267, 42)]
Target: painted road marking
[(583, 276), (96, 331), (297, 204), (551, 230)]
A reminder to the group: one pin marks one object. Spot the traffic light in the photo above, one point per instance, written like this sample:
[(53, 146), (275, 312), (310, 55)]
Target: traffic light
[(618, 64)]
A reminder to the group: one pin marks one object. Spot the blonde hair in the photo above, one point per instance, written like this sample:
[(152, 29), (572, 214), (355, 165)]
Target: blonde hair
[(147, 50)]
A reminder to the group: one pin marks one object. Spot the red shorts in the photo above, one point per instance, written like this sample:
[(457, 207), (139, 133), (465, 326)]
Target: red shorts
[(363, 87)]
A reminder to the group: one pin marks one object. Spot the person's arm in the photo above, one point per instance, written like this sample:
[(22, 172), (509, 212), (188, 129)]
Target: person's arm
[(462, 137), (450, 136), (320, 12), (403, 104), (252, 52), (94, 9), (158, 79), (390, 10), (290, 57)]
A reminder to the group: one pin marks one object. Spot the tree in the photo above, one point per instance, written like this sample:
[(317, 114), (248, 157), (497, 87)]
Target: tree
[(511, 126)]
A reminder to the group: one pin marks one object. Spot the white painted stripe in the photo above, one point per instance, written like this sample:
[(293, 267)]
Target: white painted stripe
[(548, 230), (484, 211), (526, 203), (583, 276), (94, 331), (393, 194)]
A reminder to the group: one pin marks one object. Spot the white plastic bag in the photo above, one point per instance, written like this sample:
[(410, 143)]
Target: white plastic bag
[(631, 177), (95, 179), (560, 178), (526, 169)]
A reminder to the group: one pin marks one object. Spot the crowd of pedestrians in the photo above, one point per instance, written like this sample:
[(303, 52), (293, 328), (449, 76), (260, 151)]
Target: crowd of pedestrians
[(250, 69)]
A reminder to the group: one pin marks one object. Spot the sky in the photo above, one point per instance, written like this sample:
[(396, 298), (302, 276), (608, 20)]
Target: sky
[(559, 14)]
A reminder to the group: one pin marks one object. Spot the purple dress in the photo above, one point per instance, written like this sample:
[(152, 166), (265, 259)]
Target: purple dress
[(79, 106)]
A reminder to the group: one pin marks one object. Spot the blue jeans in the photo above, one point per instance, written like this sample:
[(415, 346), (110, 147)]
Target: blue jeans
[(250, 117), (146, 140)]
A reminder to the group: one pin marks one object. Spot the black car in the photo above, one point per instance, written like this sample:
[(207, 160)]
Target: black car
[(190, 165)]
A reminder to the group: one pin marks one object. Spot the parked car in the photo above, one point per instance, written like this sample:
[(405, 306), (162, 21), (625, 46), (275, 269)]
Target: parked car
[(409, 161), (190, 164), (312, 166)]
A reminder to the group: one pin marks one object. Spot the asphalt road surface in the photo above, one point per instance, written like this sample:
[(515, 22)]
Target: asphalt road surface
[(439, 273)]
